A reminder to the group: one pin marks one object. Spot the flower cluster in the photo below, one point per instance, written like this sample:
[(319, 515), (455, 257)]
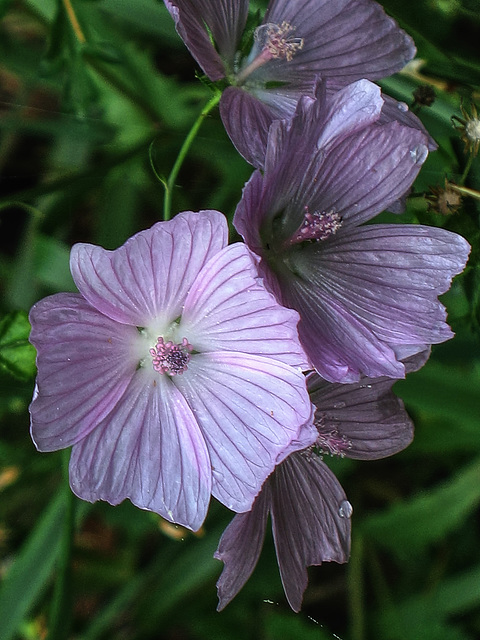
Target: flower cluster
[(186, 368)]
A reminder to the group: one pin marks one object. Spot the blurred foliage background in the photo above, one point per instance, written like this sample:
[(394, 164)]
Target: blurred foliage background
[(92, 94)]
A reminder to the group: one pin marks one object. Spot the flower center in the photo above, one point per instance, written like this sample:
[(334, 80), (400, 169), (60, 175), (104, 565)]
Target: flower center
[(276, 39), (330, 441), (272, 42), (171, 358), (317, 226)]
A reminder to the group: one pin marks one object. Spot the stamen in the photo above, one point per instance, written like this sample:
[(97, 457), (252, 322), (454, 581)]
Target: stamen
[(317, 226), (171, 358), (272, 42), (330, 441), (276, 40)]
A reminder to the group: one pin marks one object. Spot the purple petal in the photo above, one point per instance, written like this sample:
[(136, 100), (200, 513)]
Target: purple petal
[(369, 289), (225, 19), (309, 510), (85, 362), (398, 111), (240, 546), (364, 420), (250, 408), (246, 120), (147, 279), (350, 110), (149, 449), (358, 40), (227, 309), (296, 147), (356, 176), (363, 174), (251, 213)]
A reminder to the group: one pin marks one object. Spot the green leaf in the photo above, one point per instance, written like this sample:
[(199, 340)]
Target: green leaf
[(444, 391), (17, 355), (408, 527), (425, 615), (32, 568), (4, 7), (284, 626)]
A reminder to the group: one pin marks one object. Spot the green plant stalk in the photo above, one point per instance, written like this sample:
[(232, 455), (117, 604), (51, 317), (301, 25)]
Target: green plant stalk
[(170, 182), (467, 169), (61, 610), (355, 588)]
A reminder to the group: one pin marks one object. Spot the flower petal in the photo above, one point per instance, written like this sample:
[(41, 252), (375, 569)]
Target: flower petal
[(366, 172), (309, 519), (240, 546), (393, 110), (224, 19), (246, 120), (296, 147), (358, 40), (372, 288), (149, 449), (228, 309), (250, 408), (366, 419), (85, 362), (147, 279)]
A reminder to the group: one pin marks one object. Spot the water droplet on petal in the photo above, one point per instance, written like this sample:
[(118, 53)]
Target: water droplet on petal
[(402, 106), (339, 405), (419, 153), (345, 509)]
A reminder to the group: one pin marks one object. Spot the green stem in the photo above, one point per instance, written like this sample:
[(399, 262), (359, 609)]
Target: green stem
[(61, 611), (170, 183), (355, 588), (466, 170)]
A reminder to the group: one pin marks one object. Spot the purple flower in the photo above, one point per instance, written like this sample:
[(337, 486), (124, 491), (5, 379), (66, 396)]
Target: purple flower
[(173, 373), (298, 41), (309, 510), (366, 294)]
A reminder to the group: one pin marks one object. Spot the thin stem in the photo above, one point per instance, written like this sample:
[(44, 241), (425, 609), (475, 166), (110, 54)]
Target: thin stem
[(467, 169), (355, 588), (77, 29), (60, 614), (170, 183), (465, 191)]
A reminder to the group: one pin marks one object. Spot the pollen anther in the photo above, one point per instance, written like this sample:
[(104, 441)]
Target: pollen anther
[(171, 358), (318, 226), (276, 39)]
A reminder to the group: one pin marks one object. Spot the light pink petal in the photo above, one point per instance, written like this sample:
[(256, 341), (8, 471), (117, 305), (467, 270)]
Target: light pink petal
[(147, 279), (228, 309), (249, 409), (150, 450), (85, 362), (240, 546)]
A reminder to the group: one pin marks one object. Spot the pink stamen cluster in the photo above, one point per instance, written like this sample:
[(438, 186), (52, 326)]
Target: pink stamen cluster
[(273, 42), (318, 225), (278, 42), (171, 358), (330, 441)]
